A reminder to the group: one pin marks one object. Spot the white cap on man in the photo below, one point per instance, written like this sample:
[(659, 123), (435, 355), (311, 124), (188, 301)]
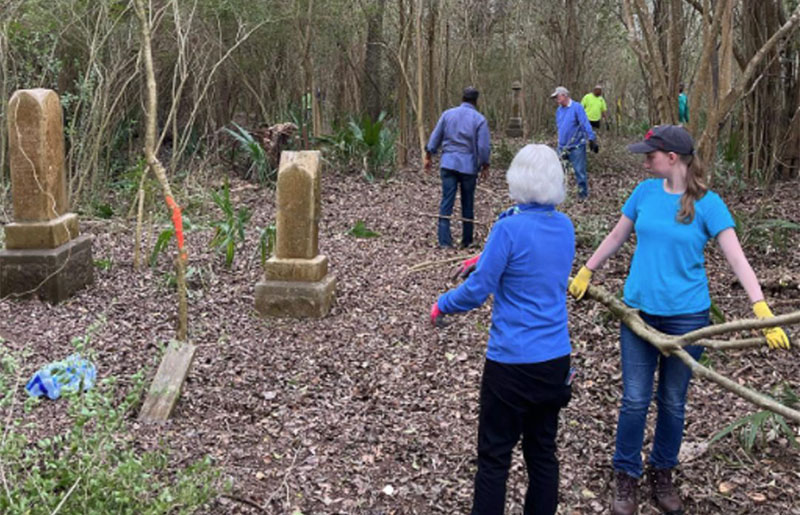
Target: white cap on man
[(561, 90)]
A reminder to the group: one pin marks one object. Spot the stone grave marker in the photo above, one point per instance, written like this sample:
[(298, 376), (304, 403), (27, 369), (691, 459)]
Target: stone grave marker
[(514, 129), (296, 282), (44, 254)]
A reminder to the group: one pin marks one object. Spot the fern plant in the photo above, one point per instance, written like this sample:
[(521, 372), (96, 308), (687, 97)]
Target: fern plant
[(230, 229)]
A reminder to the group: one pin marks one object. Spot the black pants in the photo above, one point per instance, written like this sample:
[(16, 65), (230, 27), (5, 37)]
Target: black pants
[(595, 124), (520, 400)]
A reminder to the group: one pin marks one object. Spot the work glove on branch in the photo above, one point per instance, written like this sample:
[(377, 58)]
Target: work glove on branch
[(467, 267), (579, 285), (776, 337)]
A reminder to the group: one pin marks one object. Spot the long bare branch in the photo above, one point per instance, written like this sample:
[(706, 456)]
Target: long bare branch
[(671, 345)]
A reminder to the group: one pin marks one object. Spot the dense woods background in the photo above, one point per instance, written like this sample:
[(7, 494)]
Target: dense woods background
[(219, 62), (370, 410)]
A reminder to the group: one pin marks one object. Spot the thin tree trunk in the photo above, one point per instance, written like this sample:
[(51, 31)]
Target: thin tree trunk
[(155, 165), (420, 82), (372, 85), (432, 23), (402, 90)]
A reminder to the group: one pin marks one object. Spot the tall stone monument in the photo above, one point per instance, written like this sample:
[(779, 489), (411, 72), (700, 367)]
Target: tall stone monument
[(43, 255), (296, 282), (514, 129)]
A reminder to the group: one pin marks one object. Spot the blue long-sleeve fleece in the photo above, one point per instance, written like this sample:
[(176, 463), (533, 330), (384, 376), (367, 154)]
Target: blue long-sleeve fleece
[(525, 264), (573, 126), (463, 135)]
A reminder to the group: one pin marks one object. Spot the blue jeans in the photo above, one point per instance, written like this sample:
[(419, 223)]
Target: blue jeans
[(577, 157), (639, 362), (450, 183)]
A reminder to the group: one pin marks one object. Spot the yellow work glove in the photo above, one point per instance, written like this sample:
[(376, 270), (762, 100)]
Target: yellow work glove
[(577, 288), (776, 337)]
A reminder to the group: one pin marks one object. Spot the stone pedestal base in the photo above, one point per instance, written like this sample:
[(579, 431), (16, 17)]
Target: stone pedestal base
[(514, 129), (52, 275), (42, 235), (304, 270), (294, 298)]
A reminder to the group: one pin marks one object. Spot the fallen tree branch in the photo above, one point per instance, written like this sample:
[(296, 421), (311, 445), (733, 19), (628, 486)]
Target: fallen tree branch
[(432, 264), (672, 345), (455, 218)]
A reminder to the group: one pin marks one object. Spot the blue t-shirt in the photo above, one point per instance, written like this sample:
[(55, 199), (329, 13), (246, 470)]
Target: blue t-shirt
[(668, 275), (525, 264)]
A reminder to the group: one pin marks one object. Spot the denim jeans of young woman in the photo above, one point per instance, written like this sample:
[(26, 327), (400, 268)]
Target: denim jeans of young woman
[(640, 361), (577, 157), (450, 183)]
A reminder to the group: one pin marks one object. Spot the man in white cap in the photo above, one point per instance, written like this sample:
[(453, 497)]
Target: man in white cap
[(595, 106), (574, 131)]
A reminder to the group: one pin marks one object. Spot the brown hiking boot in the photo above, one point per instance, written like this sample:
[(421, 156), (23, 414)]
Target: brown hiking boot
[(624, 494), (664, 492)]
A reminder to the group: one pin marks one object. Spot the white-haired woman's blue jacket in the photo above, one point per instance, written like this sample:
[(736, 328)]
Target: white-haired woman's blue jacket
[(525, 265)]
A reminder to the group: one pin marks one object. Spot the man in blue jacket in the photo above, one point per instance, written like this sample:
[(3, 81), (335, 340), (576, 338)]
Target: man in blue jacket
[(463, 135), (574, 131)]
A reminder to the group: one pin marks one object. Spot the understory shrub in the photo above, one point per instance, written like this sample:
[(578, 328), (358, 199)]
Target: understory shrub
[(230, 229), (364, 145), (259, 166), (93, 465), (757, 429)]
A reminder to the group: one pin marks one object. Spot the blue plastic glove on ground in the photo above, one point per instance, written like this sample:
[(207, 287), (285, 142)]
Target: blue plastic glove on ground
[(62, 376)]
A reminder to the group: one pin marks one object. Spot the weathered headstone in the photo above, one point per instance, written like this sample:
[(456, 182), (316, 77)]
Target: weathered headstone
[(514, 129), (44, 255), (296, 282)]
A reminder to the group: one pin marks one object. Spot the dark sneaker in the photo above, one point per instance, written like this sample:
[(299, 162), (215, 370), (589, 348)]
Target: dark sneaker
[(664, 492), (625, 489)]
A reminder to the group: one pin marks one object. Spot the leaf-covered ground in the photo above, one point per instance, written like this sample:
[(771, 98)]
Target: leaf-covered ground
[(370, 410)]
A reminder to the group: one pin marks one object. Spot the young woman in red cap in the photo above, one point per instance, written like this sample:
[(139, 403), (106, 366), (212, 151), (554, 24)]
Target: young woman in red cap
[(674, 215)]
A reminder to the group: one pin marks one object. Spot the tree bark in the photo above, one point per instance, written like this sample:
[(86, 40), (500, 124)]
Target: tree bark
[(706, 146), (420, 81), (433, 10), (372, 92), (155, 165)]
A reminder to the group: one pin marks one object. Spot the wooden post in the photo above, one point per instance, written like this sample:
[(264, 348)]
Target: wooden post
[(166, 386)]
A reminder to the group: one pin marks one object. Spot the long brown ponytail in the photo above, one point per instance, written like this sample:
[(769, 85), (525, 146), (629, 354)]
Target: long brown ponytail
[(695, 187)]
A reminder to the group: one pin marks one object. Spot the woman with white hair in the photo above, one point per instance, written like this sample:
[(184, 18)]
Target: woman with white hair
[(526, 377)]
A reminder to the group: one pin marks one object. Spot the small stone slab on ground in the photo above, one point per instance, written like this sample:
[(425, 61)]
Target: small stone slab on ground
[(166, 386)]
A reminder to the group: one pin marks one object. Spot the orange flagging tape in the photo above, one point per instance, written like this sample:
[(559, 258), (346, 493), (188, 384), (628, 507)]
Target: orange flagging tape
[(177, 221)]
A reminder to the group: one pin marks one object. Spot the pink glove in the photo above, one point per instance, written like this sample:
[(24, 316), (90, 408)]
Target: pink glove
[(435, 312), (467, 267)]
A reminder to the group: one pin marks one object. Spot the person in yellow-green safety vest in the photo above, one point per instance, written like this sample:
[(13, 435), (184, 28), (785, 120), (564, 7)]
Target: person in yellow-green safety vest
[(595, 106)]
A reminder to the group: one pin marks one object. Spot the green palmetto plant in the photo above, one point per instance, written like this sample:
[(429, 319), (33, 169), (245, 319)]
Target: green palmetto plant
[(363, 144), (260, 167), (230, 229), (758, 428), (266, 243)]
